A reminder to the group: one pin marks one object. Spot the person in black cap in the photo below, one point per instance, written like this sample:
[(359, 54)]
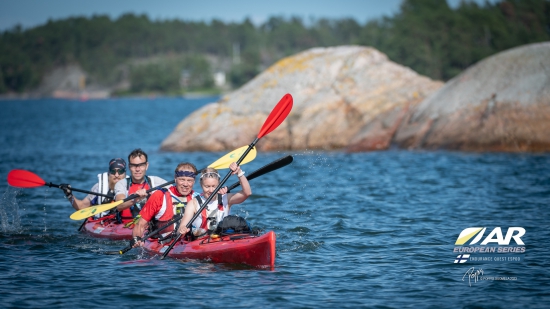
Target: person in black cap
[(105, 185)]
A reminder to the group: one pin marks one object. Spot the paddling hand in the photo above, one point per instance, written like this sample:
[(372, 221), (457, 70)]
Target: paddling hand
[(136, 242), (141, 192), (222, 190), (142, 195), (236, 170), (67, 190), (183, 230)]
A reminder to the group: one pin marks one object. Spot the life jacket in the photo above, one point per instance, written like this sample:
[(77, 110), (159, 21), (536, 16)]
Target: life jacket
[(209, 219), (103, 183), (133, 211), (170, 202)]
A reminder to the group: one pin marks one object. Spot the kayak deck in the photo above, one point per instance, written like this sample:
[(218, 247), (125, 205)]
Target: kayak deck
[(108, 228), (257, 251)]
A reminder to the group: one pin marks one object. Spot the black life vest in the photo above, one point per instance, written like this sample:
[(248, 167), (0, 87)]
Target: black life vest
[(232, 224)]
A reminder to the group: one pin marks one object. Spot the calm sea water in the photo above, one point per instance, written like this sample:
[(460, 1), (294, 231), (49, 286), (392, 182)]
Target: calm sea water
[(353, 230)]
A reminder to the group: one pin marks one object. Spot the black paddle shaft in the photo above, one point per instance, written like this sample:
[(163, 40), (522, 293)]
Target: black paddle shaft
[(78, 190), (205, 204), (268, 168), (153, 233), (220, 185)]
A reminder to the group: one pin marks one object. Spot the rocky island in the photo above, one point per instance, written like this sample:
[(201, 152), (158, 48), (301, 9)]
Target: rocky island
[(354, 98)]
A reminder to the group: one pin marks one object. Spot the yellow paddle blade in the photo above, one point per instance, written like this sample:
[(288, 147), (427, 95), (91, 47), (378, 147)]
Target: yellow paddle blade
[(90, 211), (233, 156)]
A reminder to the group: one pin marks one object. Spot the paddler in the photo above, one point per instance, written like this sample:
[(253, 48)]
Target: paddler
[(163, 204), (105, 185), (219, 207), (137, 184)]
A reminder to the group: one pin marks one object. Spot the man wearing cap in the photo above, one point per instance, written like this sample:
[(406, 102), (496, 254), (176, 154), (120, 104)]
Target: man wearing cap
[(105, 185)]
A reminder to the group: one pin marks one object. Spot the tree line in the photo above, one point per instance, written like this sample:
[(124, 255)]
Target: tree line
[(426, 35)]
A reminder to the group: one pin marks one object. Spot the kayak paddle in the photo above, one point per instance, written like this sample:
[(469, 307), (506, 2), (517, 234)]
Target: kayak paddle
[(275, 118), (25, 179), (221, 163), (268, 168)]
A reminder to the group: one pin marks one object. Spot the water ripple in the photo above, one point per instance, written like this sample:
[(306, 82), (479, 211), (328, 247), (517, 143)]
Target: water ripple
[(372, 230)]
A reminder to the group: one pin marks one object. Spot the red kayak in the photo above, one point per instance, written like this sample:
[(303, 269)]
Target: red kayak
[(107, 227), (257, 251)]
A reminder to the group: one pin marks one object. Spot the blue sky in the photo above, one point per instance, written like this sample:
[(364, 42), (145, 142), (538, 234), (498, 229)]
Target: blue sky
[(30, 13)]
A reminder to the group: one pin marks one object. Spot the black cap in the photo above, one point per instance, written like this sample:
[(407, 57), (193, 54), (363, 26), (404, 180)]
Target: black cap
[(117, 163)]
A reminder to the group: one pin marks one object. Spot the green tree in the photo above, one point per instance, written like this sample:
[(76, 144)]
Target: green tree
[(426, 35), (154, 78)]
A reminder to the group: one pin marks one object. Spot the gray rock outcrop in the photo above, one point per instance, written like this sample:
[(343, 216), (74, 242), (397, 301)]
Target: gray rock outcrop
[(354, 98), (344, 97), (500, 104)]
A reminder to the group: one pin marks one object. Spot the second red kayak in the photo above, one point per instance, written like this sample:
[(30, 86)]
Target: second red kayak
[(257, 251), (107, 227)]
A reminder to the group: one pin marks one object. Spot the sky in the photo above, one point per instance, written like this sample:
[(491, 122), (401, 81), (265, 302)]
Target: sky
[(31, 13)]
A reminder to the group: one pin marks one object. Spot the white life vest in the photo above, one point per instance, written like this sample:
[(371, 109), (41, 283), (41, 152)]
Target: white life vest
[(103, 186), (210, 216), (103, 182)]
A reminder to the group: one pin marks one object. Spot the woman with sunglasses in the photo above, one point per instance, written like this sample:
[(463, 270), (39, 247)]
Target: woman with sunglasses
[(219, 207), (105, 185)]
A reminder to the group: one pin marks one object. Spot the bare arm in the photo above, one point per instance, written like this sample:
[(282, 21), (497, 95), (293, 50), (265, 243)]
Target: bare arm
[(76, 203), (142, 194), (80, 204), (187, 216), (121, 190), (139, 230), (242, 195), (124, 205)]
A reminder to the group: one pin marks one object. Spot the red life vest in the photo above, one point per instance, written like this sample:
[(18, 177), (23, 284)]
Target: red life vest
[(129, 214), (170, 211)]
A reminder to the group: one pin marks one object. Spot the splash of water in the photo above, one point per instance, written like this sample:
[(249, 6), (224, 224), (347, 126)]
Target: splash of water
[(9, 211)]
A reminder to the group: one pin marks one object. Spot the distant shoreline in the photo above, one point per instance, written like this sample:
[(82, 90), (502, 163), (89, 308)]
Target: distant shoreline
[(196, 95)]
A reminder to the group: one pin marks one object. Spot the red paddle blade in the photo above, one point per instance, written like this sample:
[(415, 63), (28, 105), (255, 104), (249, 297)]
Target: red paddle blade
[(24, 179), (277, 115)]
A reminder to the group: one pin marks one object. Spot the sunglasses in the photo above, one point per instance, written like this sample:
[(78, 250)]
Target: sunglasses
[(210, 175), (138, 165), (119, 171)]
